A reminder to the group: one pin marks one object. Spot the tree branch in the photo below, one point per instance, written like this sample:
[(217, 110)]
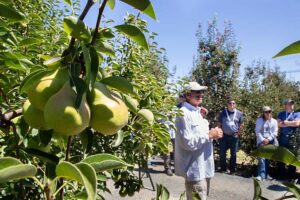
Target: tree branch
[(10, 115), (101, 9)]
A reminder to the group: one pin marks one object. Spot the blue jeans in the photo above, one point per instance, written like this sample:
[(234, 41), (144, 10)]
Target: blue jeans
[(263, 166), (228, 141), (285, 141)]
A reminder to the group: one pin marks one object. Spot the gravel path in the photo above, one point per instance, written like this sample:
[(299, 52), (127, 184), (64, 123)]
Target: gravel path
[(223, 187)]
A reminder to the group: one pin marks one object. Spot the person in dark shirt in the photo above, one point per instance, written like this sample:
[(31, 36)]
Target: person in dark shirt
[(288, 122), (231, 121)]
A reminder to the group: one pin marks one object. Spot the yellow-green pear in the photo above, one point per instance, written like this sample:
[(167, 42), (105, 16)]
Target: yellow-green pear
[(34, 117), (40, 92), (62, 116), (108, 112)]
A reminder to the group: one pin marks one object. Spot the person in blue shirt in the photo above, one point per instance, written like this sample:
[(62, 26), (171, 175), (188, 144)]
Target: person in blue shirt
[(288, 122), (231, 121)]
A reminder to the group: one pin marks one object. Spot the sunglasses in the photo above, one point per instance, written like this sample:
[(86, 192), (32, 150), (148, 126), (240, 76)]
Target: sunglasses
[(267, 111), (197, 97)]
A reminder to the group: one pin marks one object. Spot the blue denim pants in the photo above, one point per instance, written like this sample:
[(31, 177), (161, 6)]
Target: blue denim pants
[(228, 141), (285, 141), (263, 166)]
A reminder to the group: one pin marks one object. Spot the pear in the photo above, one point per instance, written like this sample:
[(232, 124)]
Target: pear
[(108, 112), (33, 116), (62, 116), (40, 92)]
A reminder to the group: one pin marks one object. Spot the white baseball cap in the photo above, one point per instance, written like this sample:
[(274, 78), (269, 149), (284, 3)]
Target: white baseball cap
[(194, 86)]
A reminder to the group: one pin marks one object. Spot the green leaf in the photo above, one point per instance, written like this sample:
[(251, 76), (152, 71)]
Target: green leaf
[(8, 162), (10, 13), (13, 169), (31, 79), (87, 63), (53, 62), (162, 193), (6, 2), (83, 173), (29, 41), (106, 48), (196, 196), (134, 33), (118, 139), (142, 5), (17, 172), (68, 2), (182, 196), (147, 115), (163, 136), (77, 29), (131, 103), (119, 83), (105, 34), (293, 48), (293, 188), (101, 178), (68, 170), (257, 189), (277, 153), (89, 179), (111, 4), (162, 146), (102, 162), (159, 115), (94, 64)]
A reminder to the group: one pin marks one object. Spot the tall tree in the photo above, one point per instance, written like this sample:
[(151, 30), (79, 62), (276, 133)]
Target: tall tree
[(216, 65), (262, 85)]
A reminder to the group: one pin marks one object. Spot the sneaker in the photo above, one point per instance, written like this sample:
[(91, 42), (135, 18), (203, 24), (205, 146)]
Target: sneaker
[(169, 172), (269, 177), (259, 178)]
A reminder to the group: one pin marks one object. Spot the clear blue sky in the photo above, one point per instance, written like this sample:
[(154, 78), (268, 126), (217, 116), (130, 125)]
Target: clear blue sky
[(262, 28)]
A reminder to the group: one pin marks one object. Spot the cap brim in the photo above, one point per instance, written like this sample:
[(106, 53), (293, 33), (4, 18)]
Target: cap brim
[(200, 88)]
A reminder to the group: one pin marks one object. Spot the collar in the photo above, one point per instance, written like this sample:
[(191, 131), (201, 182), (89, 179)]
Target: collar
[(190, 107)]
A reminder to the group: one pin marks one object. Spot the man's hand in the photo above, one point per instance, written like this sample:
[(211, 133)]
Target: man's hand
[(265, 141), (215, 133)]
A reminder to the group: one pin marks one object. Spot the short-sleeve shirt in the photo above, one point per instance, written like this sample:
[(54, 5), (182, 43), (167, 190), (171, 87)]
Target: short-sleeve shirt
[(231, 126), (290, 117)]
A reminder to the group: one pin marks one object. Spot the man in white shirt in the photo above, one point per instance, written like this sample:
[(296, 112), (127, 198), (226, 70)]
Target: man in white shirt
[(193, 150)]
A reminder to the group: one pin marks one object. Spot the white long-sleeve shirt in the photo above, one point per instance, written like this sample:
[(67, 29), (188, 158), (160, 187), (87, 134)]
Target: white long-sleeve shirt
[(265, 130), (193, 149)]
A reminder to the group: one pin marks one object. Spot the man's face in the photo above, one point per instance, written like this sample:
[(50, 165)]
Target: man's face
[(195, 98), (231, 105), (289, 106)]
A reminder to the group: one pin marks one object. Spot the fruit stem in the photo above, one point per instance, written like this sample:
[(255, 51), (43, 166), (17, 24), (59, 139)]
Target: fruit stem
[(68, 148), (101, 9)]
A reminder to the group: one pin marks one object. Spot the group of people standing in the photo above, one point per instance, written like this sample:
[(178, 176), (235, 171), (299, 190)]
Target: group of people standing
[(193, 139)]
